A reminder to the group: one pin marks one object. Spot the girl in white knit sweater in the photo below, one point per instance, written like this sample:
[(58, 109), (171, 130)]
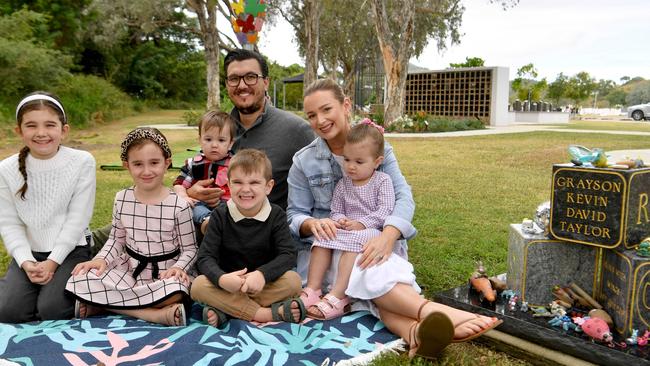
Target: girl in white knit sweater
[(47, 193)]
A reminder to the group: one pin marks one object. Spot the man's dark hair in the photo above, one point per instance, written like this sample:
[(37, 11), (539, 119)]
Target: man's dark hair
[(241, 54)]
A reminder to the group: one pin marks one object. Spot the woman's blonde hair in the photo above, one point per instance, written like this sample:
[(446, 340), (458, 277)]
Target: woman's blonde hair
[(326, 85)]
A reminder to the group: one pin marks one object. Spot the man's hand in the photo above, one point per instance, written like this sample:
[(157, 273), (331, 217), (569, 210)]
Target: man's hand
[(254, 282), (233, 281), (202, 191)]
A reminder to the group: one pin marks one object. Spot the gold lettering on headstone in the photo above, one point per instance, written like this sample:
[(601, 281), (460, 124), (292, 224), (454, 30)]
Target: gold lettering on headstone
[(611, 304), (643, 203), (586, 201), (588, 230), (615, 289)]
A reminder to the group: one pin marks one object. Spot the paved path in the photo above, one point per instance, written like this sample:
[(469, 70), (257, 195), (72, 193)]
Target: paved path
[(516, 128)]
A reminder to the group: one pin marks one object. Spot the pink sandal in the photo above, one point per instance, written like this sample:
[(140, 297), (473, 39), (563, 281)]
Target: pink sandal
[(310, 297), (330, 307)]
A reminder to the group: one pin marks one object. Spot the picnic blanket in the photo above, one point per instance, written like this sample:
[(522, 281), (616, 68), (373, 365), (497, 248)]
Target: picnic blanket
[(118, 340)]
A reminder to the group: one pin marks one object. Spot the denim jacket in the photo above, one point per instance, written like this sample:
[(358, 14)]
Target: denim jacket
[(314, 175)]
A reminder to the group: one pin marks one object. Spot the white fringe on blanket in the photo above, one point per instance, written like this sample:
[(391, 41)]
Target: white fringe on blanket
[(395, 346)]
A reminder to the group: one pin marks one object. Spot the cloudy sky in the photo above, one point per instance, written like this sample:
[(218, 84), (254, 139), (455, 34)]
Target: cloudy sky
[(607, 38)]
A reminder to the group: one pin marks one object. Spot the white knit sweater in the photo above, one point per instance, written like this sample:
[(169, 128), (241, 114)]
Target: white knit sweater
[(57, 208)]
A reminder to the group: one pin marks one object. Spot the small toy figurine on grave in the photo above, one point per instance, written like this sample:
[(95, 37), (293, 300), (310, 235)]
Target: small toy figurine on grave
[(631, 163), (542, 218), (644, 248), (601, 314), (507, 294), (541, 312), (524, 306), (479, 281), (597, 329), (557, 309), (581, 155), (632, 340), (512, 304), (643, 340)]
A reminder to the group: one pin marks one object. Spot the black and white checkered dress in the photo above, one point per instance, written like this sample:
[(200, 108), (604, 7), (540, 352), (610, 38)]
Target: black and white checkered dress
[(148, 230)]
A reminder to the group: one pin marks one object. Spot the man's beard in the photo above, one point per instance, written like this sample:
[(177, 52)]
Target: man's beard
[(253, 108)]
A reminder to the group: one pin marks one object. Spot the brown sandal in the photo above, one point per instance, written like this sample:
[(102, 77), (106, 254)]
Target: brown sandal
[(496, 323), (435, 331)]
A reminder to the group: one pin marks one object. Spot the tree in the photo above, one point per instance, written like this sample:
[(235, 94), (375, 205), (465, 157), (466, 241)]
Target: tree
[(304, 17), (347, 53), (144, 18), (616, 97), (640, 94), (580, 87), (558, 88), (206, 14), (525, 84), (67, 20), (625, 79), (469, 62), (395, 23), (26, 64)]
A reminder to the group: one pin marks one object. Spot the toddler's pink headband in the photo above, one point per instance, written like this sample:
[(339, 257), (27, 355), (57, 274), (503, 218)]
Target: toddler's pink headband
[(369, 122), (40, 97)]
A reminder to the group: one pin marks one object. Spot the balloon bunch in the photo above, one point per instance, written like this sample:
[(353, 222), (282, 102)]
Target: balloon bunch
[(248, 20)]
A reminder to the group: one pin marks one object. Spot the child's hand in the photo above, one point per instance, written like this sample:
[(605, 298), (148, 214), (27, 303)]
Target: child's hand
[(233, 281), (35, 274), (47, 268), (99, 265), (254, 282), (323, 229), (351, 225), (176, 273)]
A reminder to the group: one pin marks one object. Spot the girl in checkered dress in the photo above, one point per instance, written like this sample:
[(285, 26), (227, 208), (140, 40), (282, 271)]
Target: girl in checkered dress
[(142, 270), (362, 200)]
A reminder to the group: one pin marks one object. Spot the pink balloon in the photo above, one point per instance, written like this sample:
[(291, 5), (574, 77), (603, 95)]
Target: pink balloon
[(259, 21)]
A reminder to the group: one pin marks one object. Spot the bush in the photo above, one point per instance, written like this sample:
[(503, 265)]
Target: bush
[(192, 117), (426, 123), (89, 100)]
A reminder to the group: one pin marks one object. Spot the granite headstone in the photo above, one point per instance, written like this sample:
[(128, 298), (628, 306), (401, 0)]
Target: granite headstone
[(625, 290), (537, 263), (603, 207)]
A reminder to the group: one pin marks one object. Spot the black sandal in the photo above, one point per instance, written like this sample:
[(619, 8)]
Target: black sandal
[(222, 317), (286, 315)]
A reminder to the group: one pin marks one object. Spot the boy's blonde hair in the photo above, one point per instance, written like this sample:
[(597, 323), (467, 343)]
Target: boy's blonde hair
[(219, 120), (251, 161)]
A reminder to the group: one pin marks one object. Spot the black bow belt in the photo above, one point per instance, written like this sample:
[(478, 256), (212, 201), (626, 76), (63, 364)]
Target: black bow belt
[(144, 260)]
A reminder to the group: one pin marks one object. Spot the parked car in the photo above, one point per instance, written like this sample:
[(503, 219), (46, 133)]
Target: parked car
[(639, 112)]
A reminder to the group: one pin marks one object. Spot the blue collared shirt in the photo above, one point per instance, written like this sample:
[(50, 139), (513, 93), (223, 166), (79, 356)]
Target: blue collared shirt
[(314, 175)]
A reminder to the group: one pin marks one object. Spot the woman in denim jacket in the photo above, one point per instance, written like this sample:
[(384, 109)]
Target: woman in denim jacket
[(428, 327)]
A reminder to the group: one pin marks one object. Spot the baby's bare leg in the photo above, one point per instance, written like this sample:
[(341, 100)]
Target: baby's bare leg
[(343, 275), (319, 262)]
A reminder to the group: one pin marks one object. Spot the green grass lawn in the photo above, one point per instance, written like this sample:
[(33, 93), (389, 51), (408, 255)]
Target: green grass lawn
[(468, 190), (606, 125)]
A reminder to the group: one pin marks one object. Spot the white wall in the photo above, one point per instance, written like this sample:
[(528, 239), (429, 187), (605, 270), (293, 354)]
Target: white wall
[(500, 93)]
